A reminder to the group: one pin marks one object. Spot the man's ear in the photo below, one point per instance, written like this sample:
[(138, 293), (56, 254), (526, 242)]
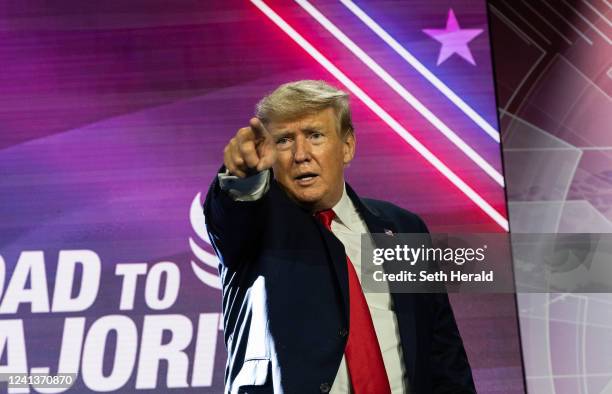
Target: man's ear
[(348, 148)]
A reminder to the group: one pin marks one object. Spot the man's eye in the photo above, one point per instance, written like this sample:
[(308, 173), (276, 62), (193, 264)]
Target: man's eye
[(282, 141), (316, 135)]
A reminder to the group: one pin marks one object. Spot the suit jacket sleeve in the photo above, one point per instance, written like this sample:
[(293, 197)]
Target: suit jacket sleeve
[(450, 369), (233, 226)]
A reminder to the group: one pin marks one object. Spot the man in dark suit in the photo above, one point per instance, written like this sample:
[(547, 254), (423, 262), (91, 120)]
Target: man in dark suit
[(287, 230)]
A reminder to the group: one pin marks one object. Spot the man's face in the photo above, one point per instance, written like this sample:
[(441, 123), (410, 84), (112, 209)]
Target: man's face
[(311, 158)]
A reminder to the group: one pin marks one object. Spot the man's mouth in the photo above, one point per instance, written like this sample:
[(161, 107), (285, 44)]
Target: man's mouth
[(306, 178)]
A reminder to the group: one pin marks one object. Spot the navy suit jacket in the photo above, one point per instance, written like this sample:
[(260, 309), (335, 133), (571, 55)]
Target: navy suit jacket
[(285, 299)]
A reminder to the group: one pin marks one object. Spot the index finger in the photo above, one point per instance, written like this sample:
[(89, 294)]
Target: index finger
[(258, 128)]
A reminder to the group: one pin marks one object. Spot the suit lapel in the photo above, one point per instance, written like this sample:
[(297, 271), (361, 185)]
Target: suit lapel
[(375, 222), (403, 304), (337, 254)]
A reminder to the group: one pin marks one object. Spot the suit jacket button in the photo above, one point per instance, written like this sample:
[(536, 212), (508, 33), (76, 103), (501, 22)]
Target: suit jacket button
[(325, 387), (342, 332)]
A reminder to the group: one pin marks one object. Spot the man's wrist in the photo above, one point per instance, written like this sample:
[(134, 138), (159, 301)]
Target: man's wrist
[(245, 189)]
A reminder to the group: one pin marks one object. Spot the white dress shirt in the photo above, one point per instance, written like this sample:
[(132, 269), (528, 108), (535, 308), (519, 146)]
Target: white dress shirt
[(347, 226)]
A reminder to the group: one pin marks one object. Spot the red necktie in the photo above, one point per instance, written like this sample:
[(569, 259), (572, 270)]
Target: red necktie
[(362, 352)]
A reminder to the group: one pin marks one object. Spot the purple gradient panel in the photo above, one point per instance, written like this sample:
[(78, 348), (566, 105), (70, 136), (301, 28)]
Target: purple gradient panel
[(553, 77)]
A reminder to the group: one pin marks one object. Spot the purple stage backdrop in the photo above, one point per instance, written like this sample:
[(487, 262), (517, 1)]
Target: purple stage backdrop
[(113, 119)]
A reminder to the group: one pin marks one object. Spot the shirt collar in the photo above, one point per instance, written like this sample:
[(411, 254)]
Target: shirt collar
[(345, 210)]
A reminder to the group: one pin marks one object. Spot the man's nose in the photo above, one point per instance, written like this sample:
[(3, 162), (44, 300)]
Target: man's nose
[(302, 150)]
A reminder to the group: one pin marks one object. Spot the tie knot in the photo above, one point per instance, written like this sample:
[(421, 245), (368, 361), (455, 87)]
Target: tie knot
[(326, 217)]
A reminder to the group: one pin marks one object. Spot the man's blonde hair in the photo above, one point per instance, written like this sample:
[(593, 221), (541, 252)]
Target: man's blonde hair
[(298, 98)]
